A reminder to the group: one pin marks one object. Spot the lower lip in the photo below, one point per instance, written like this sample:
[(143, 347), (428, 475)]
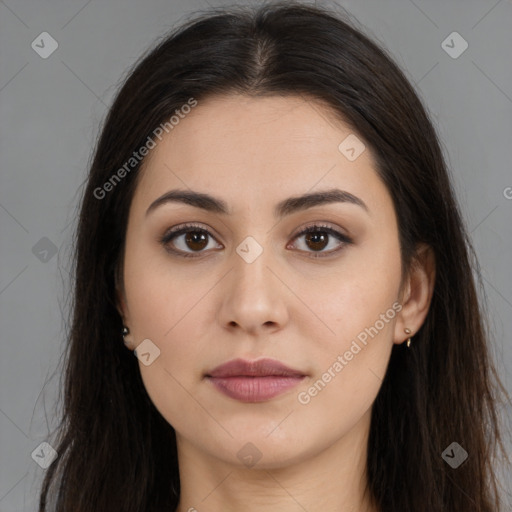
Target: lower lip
[(254, 389)]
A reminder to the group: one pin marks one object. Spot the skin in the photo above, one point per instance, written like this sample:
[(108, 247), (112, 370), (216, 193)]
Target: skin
[(287, 305)]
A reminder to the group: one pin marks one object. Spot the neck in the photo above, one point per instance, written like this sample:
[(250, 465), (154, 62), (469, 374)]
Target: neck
[(333, 480)]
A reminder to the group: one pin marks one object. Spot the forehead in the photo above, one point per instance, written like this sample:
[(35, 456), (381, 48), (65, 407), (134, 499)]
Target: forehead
[(263, 148)]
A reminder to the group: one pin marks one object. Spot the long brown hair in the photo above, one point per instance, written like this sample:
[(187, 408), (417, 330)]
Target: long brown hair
[(115, 450)]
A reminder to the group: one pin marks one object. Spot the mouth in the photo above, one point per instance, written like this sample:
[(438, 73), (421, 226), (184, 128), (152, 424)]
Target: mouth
[(254, 381)]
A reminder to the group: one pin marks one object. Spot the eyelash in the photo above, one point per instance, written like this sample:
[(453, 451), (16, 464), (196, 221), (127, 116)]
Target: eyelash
[(185, 228)]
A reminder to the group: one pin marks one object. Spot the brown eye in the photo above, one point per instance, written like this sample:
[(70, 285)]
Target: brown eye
[(317, 241), (319, 237), (187, 240), (196, 240)]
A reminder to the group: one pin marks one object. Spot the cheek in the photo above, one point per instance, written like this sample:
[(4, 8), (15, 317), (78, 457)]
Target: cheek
[(156, 291), (343, 393), (359, 305), (359, 297), (164, 304), (169, 323), (350, 365)]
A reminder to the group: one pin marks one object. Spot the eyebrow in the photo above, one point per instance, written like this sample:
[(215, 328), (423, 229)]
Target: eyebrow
[(283, 208)]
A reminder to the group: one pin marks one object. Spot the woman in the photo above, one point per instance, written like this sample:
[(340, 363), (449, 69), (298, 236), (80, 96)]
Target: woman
[(269, 226)]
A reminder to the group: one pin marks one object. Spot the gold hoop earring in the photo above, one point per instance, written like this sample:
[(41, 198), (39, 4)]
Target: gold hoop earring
[(408, 331)]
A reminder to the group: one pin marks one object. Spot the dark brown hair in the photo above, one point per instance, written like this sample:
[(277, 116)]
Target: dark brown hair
[(115, 450)]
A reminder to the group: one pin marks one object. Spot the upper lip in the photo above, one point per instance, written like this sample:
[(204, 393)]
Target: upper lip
[(260, 368)]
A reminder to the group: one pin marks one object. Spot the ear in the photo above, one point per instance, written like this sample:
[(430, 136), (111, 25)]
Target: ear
[(416, 294)]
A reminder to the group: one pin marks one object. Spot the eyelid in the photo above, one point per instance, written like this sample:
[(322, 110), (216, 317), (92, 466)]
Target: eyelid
[(187, 226), (319, 225)]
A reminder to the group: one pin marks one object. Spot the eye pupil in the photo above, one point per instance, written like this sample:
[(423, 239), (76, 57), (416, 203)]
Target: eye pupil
[(318, 239), (196, 237)]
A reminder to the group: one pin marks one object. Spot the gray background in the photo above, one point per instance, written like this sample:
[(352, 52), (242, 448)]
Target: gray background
[(51, 110)]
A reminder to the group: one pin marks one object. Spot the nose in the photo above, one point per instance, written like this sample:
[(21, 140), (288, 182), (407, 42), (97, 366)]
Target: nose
[(254, 296)]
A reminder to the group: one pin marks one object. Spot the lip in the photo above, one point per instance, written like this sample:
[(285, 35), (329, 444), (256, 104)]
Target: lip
[(254, 381)]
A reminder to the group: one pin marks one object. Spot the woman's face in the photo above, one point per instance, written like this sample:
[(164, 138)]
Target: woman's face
[(323, 304)]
